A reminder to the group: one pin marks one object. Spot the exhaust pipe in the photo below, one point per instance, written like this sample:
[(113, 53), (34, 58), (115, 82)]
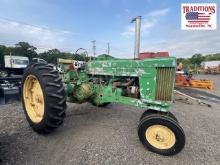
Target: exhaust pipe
[(137, 21)]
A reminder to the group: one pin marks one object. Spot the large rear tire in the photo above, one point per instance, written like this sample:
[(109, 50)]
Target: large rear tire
[(43, 97), (161, 134)]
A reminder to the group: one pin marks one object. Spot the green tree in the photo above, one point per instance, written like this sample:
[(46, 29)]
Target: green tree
[(197, 59), (24, 49), (212, 57), (52, 55), (3, 49)]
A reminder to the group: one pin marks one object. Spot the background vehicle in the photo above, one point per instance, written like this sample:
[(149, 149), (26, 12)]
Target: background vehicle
[(13, 65)]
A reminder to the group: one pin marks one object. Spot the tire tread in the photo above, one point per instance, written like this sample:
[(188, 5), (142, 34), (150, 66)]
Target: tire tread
[(53, 90)]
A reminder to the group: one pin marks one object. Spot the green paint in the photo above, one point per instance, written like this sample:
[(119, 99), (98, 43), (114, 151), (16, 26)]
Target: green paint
[(153, 77)]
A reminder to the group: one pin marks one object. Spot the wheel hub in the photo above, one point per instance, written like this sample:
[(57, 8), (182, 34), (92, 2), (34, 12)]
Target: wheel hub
[(160, 136), (3, 74), (33, 98)]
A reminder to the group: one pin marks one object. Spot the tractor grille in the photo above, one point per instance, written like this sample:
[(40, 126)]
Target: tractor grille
[(164, 83)]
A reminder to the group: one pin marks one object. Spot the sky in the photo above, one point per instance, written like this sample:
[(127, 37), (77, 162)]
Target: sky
[(72, 24)]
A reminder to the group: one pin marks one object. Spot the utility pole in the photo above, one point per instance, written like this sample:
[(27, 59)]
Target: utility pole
[(108, 50), (94, 47), (137, 21)]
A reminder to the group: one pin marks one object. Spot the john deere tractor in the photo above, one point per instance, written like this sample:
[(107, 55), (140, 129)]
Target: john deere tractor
[(147, 84)]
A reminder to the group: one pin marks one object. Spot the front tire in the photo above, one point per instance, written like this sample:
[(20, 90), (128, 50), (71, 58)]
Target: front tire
[(151, 111), (43, 98), (161, 134)]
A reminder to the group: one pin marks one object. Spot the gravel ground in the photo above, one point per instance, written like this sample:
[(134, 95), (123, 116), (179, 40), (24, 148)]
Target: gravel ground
[(92, 135)]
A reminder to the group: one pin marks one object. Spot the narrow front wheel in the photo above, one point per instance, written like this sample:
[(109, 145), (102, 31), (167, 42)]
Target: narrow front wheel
[(161, 134), (151, 111)]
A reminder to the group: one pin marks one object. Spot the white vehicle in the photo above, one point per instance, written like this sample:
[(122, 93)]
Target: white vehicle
[(210, 64), (38, 60), (13, 65)]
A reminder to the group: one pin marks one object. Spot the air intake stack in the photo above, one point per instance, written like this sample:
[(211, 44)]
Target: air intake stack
[(137, 21)]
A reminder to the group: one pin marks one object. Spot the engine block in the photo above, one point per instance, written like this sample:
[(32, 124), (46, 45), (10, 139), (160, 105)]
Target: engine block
[(144, 83)]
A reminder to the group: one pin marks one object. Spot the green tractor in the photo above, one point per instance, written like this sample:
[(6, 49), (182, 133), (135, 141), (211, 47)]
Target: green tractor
[(147, 84), (144, 83)]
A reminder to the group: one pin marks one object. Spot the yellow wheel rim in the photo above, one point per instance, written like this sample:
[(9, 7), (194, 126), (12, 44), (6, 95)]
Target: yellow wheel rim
[(33, 98), (160, 136)]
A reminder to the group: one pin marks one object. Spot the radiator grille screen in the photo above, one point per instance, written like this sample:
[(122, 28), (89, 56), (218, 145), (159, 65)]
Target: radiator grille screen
[(164, 83)]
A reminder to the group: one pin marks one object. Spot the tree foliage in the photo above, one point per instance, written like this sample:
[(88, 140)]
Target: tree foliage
[(52, 55), (24, 49), (27, 50), (20, 49), (196, 59)]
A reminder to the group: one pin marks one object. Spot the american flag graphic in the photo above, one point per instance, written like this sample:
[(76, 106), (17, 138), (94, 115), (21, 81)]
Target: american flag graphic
[(198, 18)]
